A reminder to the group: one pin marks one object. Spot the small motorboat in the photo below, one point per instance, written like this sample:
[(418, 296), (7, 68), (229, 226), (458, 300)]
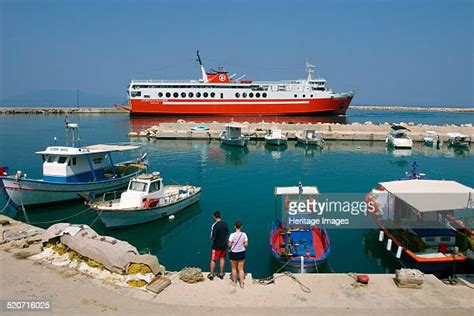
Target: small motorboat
[(145, 200), (458, 140), (310, 137), (72, 172), (232, 135), (200, 127), (276, 137), (295, 242), (398, 138), (431, 139)]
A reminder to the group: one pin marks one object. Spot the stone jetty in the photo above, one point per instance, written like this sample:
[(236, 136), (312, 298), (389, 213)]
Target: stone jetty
[(330, 131), (60, 110)]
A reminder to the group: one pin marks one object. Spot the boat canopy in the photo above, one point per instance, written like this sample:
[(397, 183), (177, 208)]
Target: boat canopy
[(397, 127), (456, 134), (296, 190), (432, 195), (87, 150)]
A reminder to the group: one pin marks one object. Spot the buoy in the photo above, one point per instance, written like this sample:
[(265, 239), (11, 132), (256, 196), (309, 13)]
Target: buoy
[(389, 244), (381, 235), (399, 252), (171, 217)]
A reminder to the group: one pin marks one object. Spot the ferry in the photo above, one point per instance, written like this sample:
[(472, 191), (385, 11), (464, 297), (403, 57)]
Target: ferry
[(219, 94)]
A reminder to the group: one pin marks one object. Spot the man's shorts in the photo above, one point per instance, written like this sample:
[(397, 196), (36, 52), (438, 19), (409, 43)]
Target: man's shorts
[(217, 254)]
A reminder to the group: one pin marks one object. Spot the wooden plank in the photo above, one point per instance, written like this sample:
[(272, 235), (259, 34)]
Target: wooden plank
[(158, 284)]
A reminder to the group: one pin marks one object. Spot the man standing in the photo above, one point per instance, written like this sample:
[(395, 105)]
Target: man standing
[(219, 233)]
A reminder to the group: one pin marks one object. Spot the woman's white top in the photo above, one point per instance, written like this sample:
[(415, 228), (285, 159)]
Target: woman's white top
[(238, 239)]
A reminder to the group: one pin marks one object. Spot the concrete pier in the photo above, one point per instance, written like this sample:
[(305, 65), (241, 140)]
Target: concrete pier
[(60, 110), (330, 131)]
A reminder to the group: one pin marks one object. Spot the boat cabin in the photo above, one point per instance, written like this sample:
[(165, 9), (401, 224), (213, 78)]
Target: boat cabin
[(146, 190), (399, 131), (63, 164), (233, 131), (310, 134)]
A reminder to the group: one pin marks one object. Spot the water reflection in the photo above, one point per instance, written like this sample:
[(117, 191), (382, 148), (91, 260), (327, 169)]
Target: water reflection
[(376, 252), (234, 155)]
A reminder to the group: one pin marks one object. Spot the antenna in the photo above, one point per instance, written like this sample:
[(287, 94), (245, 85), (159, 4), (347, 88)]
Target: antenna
[(198, 58), (309, 69)]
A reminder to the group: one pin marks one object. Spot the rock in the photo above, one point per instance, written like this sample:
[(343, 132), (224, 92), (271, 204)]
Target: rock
[(180, 121), (368, 123)]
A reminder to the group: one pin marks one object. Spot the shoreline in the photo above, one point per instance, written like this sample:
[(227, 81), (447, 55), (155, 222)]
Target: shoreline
[(25, 278), (112, 110)]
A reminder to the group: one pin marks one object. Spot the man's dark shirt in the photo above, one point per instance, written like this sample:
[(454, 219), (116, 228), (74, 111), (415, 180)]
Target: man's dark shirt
[(219, 234)]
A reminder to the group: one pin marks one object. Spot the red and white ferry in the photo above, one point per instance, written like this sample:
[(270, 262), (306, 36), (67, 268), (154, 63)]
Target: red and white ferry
[(217, 93)]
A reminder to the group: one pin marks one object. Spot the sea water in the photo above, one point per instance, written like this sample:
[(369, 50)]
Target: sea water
[(239, 183)]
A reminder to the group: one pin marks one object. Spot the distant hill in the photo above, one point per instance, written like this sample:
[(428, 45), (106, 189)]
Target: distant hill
[(60, 98)]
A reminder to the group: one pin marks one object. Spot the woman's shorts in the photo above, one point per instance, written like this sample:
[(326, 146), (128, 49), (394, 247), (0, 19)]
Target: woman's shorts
[(237, 255)]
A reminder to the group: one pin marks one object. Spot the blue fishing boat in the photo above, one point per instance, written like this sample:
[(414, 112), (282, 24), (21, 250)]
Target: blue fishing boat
[(295, 241), (72, 172)]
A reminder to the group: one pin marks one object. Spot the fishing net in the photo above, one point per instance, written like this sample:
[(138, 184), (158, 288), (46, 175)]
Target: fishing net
[(191, 275)]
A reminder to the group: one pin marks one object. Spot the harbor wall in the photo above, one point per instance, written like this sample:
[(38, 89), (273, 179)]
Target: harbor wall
[(330, 131)]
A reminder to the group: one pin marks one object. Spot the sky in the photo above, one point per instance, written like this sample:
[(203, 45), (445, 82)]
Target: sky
[(389, 52)]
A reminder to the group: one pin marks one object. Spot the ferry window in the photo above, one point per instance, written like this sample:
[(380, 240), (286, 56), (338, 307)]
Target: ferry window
[(237, 94), (213, 94), (62, 159), (154, 186), (264, 95), (51, 158), (257, 95), (190, 94), (136, 93), (304, 95), (244, 94), (146, 96), (251, 94), (138, 186), (205, 94), (311, 95), (175, 94), (198, 94), (183, 94), (296, 95), (160, 94), (222, 95), (168, 94)]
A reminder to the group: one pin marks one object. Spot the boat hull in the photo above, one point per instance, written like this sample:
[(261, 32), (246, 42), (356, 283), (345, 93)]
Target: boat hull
[(240, 142), (35, 193), (277, 142), (310, 142), (116, 219), (219, 107)]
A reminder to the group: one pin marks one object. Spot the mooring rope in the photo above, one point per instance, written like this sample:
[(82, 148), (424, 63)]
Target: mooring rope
[(271, 279), (64, 218), (6, 205)]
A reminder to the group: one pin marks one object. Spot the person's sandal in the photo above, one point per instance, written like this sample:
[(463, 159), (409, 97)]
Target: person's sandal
[(220, 276), (210, 276)]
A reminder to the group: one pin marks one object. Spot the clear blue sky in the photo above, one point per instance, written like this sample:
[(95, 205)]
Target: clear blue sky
[(389, 52)]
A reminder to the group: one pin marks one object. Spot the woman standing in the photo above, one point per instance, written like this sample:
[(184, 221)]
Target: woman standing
[(238, 242)]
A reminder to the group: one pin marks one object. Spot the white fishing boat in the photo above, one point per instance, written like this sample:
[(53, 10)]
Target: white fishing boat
[(398, 138), (72, 172), (310, 137), (458, 140), (276, 137), (431, 138), (232, 135), (145, 200)]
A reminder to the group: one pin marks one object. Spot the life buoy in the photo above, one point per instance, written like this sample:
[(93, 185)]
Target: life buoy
[(222, 77)]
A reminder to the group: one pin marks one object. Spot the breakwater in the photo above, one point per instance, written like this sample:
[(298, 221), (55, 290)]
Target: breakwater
[(411, 108), (330, 131)]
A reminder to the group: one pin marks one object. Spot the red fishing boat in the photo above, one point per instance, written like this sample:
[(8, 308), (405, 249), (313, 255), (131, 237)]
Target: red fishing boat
[(217, 93)]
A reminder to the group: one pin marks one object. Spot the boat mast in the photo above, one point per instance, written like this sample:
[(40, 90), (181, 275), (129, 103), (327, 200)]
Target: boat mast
[(309, 70), (203, 71)]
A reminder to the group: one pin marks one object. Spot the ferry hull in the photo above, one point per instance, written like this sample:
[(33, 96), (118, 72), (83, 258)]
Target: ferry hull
[(115, 219), (217, 107), (35, 193)]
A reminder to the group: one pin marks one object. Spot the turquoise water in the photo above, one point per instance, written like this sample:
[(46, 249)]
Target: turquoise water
[(237, 182)]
